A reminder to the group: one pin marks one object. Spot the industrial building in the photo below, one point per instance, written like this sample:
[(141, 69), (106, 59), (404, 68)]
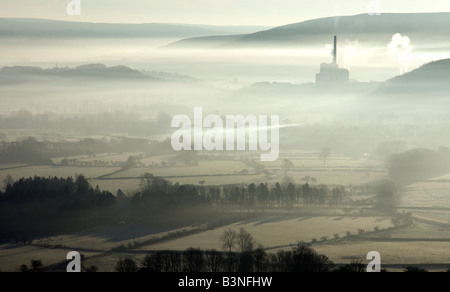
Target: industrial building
[(330, 72)]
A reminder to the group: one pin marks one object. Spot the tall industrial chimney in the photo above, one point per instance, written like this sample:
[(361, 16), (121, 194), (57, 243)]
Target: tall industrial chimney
[(335, 50), (330, 72)]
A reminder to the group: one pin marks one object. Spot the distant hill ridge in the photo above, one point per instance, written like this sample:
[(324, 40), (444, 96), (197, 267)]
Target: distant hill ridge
[(434, 72), (88, 72), (431, 77), (364, 27), (57, 29), (96, 70)]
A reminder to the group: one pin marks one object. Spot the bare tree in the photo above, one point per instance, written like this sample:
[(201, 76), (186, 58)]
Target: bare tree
[(173, 262), (287, 165), (305, 259), (214, 261), (228, 239), (261, 259), (356, 266), (325, 154), (36, 264), (8, 181), (151, 183), (126, 265), (194, 261), (153, 263), (23, 268), (245, 240), (282, 261)]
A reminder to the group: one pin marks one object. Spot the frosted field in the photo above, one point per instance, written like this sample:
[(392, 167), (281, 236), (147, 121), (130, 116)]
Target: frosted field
[(7, 166), (100, 157), (429, 201), (433, 193), (105, 239), (46, 171), (337, 171), (392, 253), (220, 180), (204, 168), (93, 244), (426, 242), (13, 256), (279, 231)]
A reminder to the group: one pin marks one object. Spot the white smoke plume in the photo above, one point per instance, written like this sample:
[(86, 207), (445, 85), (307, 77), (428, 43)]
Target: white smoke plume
[(329, 49), (400, 47), (350, 52)]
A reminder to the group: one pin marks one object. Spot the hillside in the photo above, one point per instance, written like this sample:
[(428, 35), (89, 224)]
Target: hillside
[(89, 71), (434, 72), (431, 77), (427, 26), (54, 29)]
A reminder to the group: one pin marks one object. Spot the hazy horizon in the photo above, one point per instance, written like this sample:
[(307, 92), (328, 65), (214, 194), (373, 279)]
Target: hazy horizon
[(225, 12)]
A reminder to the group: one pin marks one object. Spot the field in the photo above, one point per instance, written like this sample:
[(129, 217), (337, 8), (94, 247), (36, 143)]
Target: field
[(343, 236), (275, 232), (337, 170), (13, 256)]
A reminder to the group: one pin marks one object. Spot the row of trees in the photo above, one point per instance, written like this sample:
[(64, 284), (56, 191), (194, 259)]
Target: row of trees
[(33, 204), (285, 195), (44, 206), (300, 259), (30, 150)]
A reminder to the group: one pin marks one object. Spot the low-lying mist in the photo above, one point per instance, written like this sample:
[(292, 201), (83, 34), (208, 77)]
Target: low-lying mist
[(248, 65)]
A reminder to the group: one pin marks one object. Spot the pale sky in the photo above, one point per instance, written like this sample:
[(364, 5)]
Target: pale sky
[(219, 12)]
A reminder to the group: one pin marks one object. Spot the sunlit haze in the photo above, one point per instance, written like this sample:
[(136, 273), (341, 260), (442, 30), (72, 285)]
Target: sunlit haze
[(212, 12)]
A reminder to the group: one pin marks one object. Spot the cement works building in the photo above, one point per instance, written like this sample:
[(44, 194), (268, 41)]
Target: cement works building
[(330, 72)]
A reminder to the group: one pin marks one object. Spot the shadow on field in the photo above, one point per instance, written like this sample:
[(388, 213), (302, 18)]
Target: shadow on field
[(118, 234)]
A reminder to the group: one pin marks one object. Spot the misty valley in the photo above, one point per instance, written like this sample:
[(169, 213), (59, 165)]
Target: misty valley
[(170, 148)]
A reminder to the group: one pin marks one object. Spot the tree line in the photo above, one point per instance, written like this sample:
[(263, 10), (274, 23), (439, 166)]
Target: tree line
[(42, 206), (301, 258), (32, 207), (418, 164), (32, 151), (280, 196)]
